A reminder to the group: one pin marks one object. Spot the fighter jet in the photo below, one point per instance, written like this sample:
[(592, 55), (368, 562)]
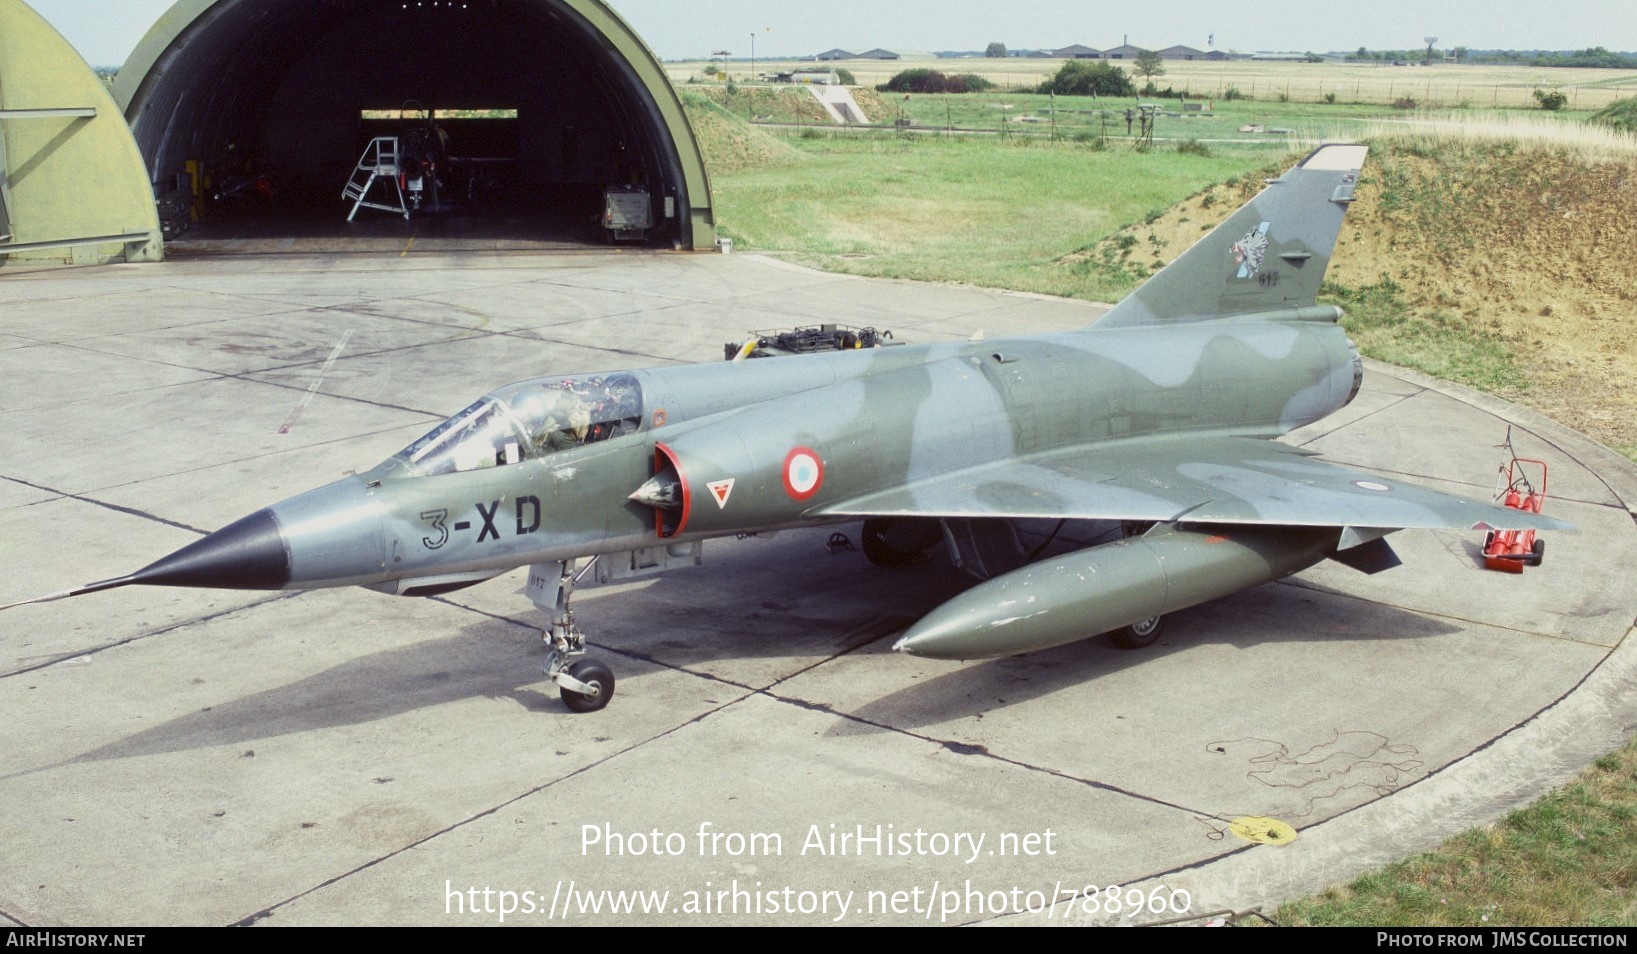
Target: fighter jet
[(1159, 419)]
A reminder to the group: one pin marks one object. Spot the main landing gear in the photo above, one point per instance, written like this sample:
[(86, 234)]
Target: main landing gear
[(586, 684), (1138, 635), (1144, 632)]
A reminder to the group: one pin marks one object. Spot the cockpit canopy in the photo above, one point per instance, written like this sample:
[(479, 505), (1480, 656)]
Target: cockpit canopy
[(528, 420)]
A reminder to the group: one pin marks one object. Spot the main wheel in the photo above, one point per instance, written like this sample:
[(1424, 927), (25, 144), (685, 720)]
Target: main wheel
[(1538, 553), (1139, 634), (592, 673)]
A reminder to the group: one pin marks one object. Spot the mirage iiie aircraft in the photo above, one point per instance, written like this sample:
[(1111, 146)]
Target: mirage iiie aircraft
[(1159, 417)]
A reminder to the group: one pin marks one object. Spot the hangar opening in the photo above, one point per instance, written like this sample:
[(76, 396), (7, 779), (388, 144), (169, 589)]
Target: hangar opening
[(543, 118)]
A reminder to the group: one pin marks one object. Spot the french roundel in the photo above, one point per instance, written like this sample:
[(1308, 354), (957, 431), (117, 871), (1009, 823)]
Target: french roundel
[(803, 473)]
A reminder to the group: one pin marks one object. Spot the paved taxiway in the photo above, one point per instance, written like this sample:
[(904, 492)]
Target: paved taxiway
[(342, 757)]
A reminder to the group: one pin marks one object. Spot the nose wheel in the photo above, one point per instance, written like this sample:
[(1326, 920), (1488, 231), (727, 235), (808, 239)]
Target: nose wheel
[(585, 684)]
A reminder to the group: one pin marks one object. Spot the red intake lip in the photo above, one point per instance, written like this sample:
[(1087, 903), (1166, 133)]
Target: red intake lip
[(665, 457)]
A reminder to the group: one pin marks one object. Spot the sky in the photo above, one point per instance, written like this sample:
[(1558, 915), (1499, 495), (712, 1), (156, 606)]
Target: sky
[(105, 31)]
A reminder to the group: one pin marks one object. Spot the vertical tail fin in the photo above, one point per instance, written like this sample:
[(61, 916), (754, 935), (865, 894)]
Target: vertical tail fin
[(1268, 257)]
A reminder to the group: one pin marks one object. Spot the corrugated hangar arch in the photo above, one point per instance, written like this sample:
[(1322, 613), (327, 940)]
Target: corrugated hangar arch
[(264, 108)]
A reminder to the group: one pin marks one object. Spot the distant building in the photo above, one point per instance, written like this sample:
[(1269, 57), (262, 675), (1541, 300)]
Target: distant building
[(1279, 57), (1126, 51), (835, 55), (878, 54), (1182, 53)]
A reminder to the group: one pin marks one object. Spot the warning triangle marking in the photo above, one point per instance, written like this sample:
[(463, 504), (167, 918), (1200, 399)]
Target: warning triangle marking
[(720, 489)]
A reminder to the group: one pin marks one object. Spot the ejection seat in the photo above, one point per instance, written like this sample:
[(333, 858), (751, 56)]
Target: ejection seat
[(378, 163)]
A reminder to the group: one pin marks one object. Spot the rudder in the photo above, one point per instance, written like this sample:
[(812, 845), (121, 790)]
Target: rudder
[(1267, 258)]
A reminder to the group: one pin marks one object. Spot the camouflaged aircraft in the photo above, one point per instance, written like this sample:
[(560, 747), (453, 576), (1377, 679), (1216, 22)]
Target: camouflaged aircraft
[(1157, 418)]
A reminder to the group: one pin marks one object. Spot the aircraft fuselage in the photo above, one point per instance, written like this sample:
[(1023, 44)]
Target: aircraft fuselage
[(763, 445)]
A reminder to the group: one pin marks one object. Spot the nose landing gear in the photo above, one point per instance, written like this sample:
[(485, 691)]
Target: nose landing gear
[(585, 684)]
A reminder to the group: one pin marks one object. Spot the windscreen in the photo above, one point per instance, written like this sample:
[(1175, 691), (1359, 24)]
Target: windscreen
[(529, 420)]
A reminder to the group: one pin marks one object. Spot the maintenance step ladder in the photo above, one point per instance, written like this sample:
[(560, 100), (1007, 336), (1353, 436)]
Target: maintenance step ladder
[(379, 162)]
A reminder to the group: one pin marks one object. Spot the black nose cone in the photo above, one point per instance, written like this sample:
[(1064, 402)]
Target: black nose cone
[(248, 554)]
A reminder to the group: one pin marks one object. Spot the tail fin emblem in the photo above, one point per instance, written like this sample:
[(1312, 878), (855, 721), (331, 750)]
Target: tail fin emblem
[(1249, 250)]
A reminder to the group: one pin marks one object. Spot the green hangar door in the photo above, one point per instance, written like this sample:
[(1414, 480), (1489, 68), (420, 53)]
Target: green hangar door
[(529, 119)]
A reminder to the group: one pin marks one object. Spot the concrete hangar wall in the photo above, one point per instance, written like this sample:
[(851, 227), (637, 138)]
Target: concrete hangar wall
[(240, 87)]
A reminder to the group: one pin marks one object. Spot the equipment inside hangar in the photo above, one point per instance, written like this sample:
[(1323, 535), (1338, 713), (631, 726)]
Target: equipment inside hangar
[(541, 116)]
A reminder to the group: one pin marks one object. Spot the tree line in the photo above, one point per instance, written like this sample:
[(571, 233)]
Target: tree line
[(1594, 57), (1074, 78)]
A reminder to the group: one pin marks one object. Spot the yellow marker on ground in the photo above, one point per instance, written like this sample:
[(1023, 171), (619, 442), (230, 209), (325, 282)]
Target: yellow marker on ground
[(1262, 830)]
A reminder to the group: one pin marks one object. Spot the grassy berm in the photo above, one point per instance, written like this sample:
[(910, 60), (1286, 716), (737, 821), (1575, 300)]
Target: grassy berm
[(1507, 266)]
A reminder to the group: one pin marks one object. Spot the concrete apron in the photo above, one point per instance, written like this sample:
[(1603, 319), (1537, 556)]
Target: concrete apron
[(341, 757)]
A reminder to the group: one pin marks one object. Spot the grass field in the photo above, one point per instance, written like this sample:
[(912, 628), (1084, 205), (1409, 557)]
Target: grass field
[(1019, 114), (1446, 86), (957, 209), (1065, 118)]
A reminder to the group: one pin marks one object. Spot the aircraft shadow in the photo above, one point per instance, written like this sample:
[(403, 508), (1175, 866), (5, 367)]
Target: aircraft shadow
[(489, 659), (499, 659)]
